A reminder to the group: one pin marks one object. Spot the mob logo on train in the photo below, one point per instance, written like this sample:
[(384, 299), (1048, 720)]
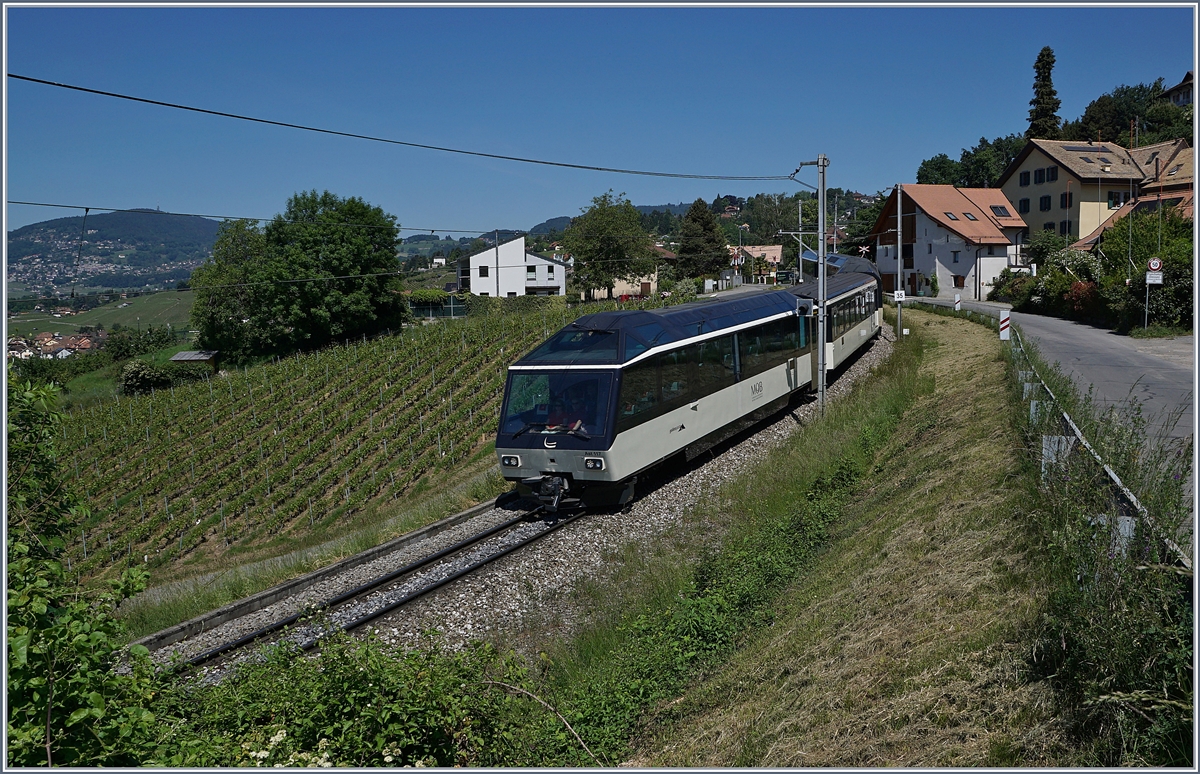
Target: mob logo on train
[(756, 391)]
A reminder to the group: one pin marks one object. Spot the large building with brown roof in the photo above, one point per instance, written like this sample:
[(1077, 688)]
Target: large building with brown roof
[(962, 236), (1068, 186)]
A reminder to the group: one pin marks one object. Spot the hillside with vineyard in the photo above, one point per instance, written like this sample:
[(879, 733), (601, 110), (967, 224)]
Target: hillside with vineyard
[(299, 446)]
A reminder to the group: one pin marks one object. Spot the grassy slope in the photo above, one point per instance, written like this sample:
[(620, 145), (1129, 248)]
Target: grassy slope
[(156, 309), (903, 646)]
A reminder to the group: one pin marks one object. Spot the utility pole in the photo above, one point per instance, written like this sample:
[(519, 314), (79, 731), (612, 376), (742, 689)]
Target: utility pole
[(496, 234), (899, 256), (822, 163)]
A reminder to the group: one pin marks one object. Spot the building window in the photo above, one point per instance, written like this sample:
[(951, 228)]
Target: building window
[(1085, 158), (1023, 237), (1044, 203), (969, 216), (1039, 176), (1066, 200), (483, 271), (930, 246), (1024, 178), (550, 272), (954, 256), (1048, 226), (1117, 198), (1023, 206), (991, 249), (1000, 211), (1174, 169), (1051, 174), (950, 215), (1064, 227), (530, 272)]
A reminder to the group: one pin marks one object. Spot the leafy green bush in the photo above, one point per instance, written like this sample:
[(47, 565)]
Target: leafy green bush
[(141, 378), (67, 704), (429, 296)]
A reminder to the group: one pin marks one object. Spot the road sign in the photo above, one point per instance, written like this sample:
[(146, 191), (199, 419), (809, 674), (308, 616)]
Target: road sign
[(1155, 264), (1154, 278), (899, 296)]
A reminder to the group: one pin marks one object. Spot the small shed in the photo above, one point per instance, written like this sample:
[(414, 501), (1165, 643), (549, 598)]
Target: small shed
[(208, 356)]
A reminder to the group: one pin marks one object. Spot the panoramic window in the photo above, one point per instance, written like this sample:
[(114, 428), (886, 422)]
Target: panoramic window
[(577, 345)]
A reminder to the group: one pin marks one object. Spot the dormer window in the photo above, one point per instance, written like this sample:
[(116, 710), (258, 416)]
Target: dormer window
[(970, 216), (950, 215), (1175, 169), (1002, 212)]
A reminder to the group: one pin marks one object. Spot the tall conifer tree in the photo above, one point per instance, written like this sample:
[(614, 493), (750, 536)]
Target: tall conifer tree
[(1043, 111)]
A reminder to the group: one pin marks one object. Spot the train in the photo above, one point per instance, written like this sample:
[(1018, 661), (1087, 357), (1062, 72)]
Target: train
[(612, 395)]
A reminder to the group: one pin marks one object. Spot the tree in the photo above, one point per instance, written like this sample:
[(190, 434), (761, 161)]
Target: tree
[(703, 248), (1043, 108), (939, 170), (1110, 117), (609, 243), (324, 270)]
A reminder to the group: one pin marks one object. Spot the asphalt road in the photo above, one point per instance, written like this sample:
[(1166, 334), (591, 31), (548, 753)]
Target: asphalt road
[(1158, 373)]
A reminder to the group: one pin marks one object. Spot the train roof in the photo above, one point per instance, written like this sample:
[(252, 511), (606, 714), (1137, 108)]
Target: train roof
[(651, 328)]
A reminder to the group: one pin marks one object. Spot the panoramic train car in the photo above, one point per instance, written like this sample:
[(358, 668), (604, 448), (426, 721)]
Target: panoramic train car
[(613, 394)]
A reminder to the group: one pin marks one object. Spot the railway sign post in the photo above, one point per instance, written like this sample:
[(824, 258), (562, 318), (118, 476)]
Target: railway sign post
[(1005, 335)]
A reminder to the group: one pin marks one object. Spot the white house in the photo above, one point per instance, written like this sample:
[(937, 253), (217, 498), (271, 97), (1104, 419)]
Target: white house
[(508, 270), (962, 236)]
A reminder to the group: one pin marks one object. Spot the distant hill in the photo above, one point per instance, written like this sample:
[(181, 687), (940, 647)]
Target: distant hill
[(554, 224), (135, 249)]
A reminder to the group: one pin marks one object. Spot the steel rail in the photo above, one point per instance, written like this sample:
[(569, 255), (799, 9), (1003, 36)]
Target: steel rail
[(416, 594), (408, 569)]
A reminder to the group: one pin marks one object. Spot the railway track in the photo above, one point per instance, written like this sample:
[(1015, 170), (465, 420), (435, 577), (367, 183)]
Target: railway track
[(381, 594)]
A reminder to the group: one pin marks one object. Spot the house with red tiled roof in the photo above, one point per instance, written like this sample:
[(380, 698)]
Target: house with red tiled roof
[(957, 238)]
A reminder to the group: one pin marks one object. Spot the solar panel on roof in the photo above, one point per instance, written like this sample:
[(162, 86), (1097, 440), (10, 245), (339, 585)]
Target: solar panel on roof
[(1086, 148)]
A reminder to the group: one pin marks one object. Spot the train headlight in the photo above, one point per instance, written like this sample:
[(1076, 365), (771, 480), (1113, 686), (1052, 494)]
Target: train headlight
[(593, 463), (510, 461)]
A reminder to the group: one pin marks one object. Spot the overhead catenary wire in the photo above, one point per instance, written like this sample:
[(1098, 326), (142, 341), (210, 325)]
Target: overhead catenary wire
[(354, 135)]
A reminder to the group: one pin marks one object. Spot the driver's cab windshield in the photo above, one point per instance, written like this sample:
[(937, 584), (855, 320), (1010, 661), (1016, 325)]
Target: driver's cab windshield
[(557, 402)]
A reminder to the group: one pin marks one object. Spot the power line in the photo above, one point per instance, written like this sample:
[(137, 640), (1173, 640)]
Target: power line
[(391, 141)]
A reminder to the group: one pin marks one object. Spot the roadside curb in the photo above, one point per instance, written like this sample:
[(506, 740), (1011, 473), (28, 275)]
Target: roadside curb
[(262, 599)]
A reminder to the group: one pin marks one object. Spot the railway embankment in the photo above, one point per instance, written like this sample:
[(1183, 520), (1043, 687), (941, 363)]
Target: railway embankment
[(967, 611)]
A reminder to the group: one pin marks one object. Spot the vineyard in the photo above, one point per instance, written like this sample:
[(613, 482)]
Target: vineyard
[(290, 447)]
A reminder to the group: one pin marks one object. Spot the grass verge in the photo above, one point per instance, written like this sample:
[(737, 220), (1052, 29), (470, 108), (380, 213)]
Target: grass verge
[(163, 606)]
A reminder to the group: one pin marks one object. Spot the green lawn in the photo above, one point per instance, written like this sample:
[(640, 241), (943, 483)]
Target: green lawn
[(158, 309)]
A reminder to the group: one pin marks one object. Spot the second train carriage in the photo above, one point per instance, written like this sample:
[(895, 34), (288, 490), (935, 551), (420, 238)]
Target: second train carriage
[(613, 394)]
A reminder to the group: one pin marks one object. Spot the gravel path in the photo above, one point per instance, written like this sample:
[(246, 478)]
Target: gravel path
[(497, 601)]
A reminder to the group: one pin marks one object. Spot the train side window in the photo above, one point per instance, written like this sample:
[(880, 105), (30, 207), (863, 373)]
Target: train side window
[(675, 374), (639, 394), (714, 365), (776, 351), (752, 351), (803, 331)]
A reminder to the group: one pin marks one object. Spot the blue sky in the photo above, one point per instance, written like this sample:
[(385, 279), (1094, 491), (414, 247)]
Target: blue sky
[(712, 91)]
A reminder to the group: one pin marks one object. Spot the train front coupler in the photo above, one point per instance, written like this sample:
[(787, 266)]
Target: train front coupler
[(551, 491)]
